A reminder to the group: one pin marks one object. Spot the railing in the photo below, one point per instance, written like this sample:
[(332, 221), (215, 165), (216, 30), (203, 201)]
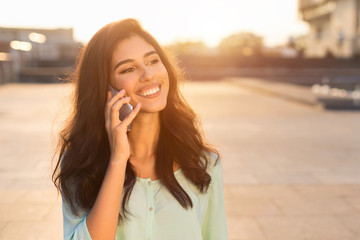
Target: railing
[(306, 4), (313, 9)]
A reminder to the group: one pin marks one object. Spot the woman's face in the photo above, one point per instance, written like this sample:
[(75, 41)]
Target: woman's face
[(137, 68)]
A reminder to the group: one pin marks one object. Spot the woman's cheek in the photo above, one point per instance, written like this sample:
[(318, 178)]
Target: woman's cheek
[(124, 82)]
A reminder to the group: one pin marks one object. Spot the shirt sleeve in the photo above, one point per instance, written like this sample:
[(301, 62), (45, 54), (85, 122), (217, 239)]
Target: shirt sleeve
[(214, 226), (75, 227)]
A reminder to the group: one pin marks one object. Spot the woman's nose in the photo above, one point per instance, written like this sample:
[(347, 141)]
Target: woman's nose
[(147, 74)]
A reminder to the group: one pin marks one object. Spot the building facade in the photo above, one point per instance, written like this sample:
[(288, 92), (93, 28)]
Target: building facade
[(334, 27), (24, 50)]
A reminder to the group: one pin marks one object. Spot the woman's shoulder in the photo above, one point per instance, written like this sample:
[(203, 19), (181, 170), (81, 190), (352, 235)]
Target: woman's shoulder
[(213, 160)]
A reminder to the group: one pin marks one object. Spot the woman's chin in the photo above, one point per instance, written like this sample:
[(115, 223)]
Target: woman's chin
[(152, 108)]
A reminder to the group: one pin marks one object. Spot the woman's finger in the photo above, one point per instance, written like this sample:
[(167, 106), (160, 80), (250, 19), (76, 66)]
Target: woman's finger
[(110, 102), (115, 109), (107, 119)]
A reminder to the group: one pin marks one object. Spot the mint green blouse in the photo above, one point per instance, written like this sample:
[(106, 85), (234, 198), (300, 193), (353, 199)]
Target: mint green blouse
[(157, 215)]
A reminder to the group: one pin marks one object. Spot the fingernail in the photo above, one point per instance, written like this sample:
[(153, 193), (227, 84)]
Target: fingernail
[(122, 90)]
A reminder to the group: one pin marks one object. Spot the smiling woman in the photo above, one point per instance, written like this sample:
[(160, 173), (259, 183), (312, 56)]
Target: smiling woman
[(160, 180), (140, 71)]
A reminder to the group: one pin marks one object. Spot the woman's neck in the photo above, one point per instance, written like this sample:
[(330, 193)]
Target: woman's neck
[(144, 136), (143, 139)]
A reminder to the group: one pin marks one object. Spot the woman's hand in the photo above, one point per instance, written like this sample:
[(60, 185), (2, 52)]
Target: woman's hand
[(102, 220), (116, 129)]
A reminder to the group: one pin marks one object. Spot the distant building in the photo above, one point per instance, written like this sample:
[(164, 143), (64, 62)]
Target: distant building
[(334, 27), (24, 50)]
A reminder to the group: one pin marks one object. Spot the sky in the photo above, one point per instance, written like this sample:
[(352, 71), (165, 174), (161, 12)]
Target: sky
[(168, 21)]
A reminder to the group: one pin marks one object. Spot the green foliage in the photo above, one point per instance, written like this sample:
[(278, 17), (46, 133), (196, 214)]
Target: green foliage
[(241, 44)]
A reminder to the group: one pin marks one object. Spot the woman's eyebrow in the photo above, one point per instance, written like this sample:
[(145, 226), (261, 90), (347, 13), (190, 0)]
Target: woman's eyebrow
[(122, 62), (131, 60), (150, 53)]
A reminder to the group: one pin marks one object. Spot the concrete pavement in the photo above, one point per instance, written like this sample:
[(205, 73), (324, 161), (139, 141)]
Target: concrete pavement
[(291, 171)]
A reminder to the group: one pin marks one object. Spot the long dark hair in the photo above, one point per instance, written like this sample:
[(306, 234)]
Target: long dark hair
[(83, 145)]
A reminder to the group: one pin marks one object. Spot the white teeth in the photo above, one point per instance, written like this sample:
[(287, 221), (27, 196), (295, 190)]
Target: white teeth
[(148, 92)]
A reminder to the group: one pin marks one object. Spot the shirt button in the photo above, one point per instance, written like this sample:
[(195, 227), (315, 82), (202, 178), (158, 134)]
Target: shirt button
[(150, 209), (149, 183)]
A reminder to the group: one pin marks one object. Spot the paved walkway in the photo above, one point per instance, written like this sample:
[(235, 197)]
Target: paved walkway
[(291, 171)]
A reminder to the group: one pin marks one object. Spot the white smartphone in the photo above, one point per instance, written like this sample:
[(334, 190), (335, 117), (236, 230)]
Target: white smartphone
[(125, 109)]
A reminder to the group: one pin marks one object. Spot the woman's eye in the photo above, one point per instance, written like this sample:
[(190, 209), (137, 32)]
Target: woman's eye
[(127, 70), (153, 61)]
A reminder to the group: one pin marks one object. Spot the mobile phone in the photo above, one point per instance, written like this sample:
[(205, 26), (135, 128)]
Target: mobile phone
[(125, 109)]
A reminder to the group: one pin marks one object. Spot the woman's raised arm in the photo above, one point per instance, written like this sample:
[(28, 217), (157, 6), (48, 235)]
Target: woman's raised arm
[(101, 222)]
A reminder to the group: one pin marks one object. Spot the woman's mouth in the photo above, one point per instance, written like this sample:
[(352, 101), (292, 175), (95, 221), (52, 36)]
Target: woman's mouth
[(150, 92)]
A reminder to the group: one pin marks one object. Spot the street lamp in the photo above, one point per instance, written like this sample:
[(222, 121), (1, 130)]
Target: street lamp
[(21, 45), (37, 37)]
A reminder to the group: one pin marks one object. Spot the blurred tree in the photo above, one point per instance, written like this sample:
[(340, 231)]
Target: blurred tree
[(241, 44), (188, 48)]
